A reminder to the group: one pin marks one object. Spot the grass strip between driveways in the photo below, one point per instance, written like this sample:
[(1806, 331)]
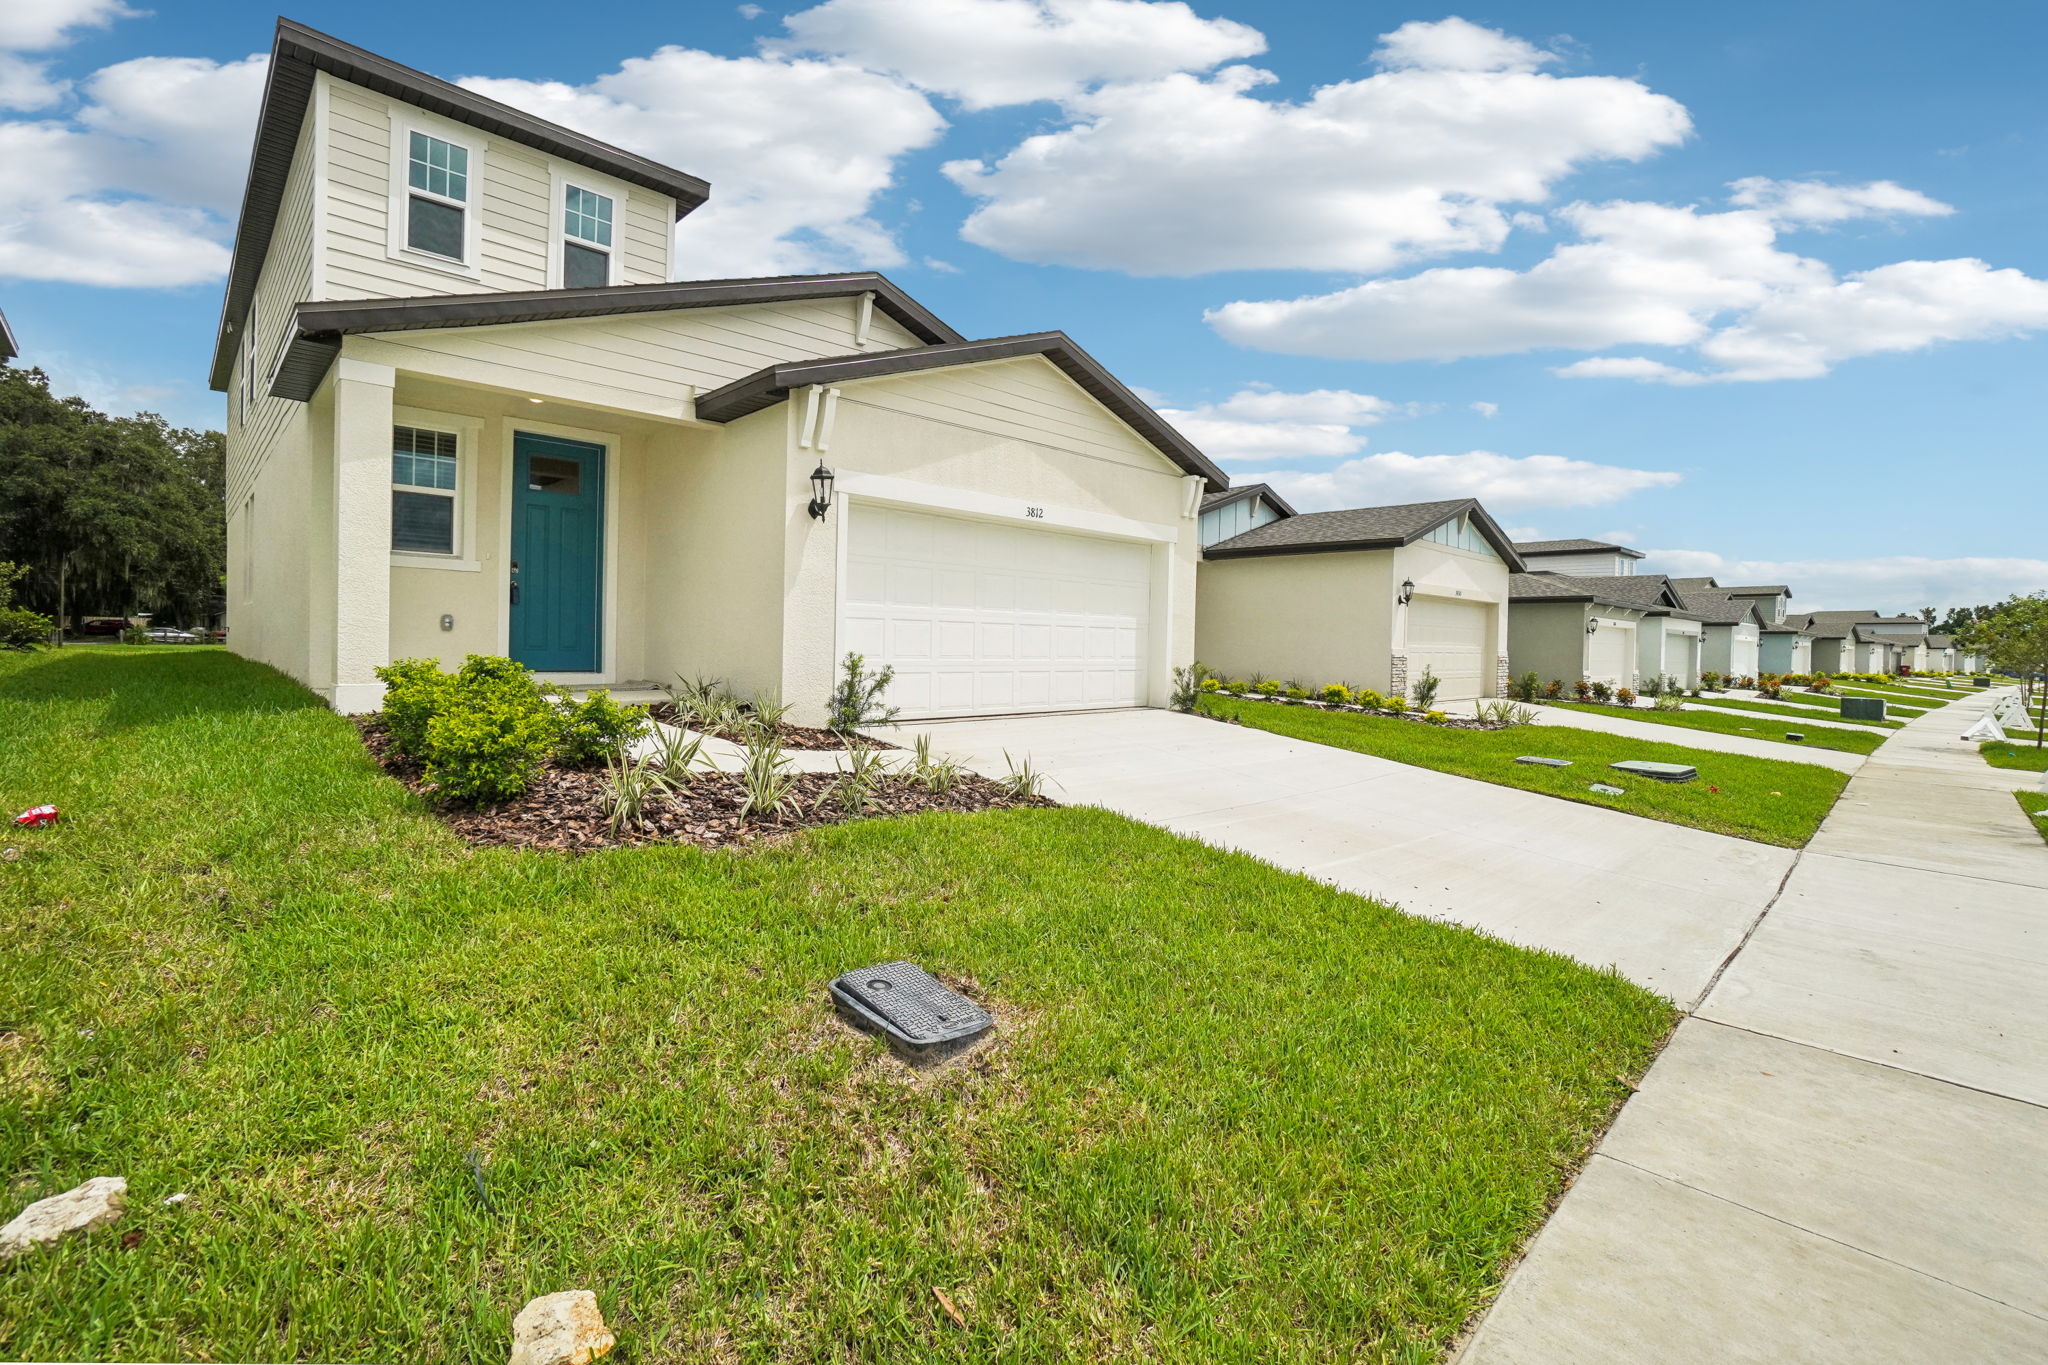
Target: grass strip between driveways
[(1771, 708), (1230, 1113), (1764, 799), (1817, 737), (2021, 755), (2035, 804), (1894, 704)]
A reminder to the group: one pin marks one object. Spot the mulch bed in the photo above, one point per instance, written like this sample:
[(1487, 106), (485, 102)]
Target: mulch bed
[(564, 808), (792, 736)]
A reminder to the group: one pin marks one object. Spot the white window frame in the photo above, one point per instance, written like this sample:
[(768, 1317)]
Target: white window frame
[(403, 125), (561, 180), (248, 363), (468, 433)]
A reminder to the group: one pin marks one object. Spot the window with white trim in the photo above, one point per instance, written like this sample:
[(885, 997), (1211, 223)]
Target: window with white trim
[(586, 238), (248, 364), (424, 470), (437, 196)]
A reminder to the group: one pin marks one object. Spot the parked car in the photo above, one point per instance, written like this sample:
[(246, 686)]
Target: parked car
[(171, 635), (101, 625)]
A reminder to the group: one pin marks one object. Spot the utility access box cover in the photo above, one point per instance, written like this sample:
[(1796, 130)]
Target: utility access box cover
[(1863, 708), (1662, 772), (909, 1006)]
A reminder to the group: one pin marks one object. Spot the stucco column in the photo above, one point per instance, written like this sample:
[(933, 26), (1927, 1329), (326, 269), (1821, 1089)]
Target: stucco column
[(362, 532)]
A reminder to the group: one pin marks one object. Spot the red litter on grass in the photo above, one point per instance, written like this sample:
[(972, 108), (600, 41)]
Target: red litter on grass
[(37, 815)]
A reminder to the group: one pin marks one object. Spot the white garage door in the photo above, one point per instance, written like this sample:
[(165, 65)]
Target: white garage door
[(979, 618), (1610, 651), (1450, 637)]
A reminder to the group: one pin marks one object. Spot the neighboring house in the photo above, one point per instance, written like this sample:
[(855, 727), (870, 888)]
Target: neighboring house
[(1942, 654), (1833, 648), (1588, 558), (1773, 600), (1668, 636), (1731, 630), (1233, 511), (470, 413), (1785, 647), (8, 350), (1563, 628), (1368, 597)]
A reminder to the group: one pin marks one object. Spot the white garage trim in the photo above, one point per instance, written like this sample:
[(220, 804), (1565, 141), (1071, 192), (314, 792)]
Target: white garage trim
[(999, 615)]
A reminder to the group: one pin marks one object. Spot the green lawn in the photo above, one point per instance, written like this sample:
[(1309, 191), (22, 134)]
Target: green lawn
[(1791, 715), (1764, 799), (1817, 736), (1910, 696), (2034, 803), (1894, 703), (2012, 753), (1231, 1113)]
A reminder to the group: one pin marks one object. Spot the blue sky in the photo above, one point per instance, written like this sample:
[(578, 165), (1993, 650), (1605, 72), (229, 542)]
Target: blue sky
[(1788, 257)]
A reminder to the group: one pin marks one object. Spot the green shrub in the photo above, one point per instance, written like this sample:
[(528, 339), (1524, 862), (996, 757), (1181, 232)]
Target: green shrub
[(1554, 689), (1211, 685), (1624, 697), (1425, 688), (1528, 687), (856, 700), (491, 732), (1297, 693), (1267, 687), (1396, 705), (594, 729), (1435, 717), (415, 690), (1237, 685), (1601, 691), (20, 628), (1336, 694), (1710, 680), (1187, 686)]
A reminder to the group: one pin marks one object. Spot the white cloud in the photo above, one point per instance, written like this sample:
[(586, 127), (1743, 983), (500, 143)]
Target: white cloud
[(751, 11), (1889, 583), (137, 189), (1185, 174), (1817, 202), (1269, 424), (1658, 275), (797, 150), (33, 25), (1456, 44), (1502, 482), (26, 84), (986, 53), (1486, 410)]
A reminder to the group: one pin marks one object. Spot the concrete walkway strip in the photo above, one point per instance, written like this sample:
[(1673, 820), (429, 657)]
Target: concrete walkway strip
[(1843, 1156), (1713, 740), (1662, 903)]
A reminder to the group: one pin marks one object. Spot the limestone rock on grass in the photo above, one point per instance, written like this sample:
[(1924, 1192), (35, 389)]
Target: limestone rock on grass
[(96, 1203), (560, 1329)]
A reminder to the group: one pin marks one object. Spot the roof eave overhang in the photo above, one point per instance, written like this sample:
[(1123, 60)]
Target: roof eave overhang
[(318, 328), (1325, 548), (766, 387)]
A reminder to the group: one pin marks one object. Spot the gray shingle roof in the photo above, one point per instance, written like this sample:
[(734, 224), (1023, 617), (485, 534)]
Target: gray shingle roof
[(1696, 584), (1816, 618), (1360, 528), (1224, 497), (1713, 608), (1638, 592), (1760, 590), (1942, 641), (1566, 547)]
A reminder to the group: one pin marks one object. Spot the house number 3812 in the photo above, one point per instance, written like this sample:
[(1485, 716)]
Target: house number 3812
[(1034, 511)]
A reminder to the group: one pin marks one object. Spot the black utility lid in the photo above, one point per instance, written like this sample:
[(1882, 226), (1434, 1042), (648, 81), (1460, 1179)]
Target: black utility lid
[(1662, 772), (907, 1005)]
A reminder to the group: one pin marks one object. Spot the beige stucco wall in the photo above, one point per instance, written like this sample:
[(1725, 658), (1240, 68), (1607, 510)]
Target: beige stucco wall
[(1313, 618)]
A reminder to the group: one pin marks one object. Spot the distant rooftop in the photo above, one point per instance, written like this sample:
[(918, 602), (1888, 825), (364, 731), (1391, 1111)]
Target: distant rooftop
[(1569, 547)]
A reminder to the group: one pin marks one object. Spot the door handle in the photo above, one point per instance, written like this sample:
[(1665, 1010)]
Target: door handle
[(515, 582)]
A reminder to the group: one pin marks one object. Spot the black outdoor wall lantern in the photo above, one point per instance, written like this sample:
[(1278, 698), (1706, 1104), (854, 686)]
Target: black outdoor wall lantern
[(821, 491), (1407, 591), (1592, 626)]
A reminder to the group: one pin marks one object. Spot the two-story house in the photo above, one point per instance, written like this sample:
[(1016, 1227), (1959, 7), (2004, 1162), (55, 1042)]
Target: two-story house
[(470, 412), (1580, 558)]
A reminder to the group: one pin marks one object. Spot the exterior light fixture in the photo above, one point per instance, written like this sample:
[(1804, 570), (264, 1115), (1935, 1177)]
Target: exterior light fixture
[(536, 400), (821, 491), (1592, 626), (1407, 591)]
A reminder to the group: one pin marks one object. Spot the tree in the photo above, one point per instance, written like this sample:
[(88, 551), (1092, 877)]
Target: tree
[(2015, 634), (110, 514)]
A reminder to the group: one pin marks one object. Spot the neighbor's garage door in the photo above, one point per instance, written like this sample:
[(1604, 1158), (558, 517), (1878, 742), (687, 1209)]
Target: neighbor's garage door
[(1450, 636), (1610, 655), (979, 618)]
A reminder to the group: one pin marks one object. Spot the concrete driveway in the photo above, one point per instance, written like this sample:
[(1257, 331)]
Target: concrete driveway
[(1662, 904)]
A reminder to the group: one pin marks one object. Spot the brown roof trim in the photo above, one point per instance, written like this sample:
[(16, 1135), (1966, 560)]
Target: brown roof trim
[(1238, 494), (296, 53), (1505, 548), (766, 387), (319, 327)]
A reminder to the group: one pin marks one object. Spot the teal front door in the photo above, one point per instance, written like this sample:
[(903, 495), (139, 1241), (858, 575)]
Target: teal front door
[(557, 554)]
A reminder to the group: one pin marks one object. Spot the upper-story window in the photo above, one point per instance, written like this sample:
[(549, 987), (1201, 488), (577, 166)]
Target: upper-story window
[(586, 238), (437, 204)]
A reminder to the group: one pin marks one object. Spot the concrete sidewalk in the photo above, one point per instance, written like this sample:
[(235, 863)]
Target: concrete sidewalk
[(1843, 1154), (1712, 740), (1662, 903)]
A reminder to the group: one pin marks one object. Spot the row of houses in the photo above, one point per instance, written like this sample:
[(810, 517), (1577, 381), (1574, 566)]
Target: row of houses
[(471, 409)]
